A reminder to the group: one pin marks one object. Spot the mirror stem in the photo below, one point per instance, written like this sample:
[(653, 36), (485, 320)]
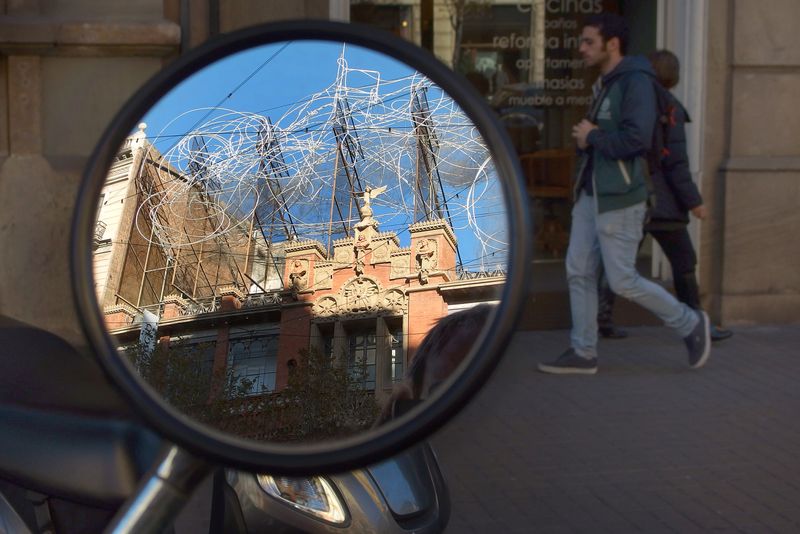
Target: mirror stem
[(162, 493)]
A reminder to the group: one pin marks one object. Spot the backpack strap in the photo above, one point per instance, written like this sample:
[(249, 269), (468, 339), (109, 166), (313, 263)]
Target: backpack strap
[(665, 120)]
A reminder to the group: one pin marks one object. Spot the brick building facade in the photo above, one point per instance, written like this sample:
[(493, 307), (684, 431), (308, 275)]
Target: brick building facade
[(369, 301)]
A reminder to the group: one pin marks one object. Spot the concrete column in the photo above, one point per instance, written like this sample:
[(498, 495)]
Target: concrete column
[(24, 99)]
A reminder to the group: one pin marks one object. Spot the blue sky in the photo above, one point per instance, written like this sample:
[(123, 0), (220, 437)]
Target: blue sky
[(268, 80), (297, 70)]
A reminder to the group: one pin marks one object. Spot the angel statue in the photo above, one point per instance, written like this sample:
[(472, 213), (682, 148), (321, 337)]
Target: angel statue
[(366, 210), (368, 194)]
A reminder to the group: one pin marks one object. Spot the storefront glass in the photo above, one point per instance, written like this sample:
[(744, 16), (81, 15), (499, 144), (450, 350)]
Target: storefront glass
[(523, 58)]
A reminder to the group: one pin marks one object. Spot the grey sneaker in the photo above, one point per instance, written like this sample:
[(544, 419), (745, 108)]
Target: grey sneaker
[(698, 343), (570, 363)]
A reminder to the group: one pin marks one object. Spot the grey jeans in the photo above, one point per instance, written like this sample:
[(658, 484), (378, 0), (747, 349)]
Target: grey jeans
[(613, 238)]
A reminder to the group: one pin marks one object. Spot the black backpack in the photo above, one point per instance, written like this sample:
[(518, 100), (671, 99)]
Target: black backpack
[(665, 121)]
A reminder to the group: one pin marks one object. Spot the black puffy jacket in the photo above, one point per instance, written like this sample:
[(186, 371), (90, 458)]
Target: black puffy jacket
[(675, 192)]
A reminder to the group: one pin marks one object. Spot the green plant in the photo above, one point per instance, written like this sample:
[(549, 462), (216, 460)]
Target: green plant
[(324, 398)]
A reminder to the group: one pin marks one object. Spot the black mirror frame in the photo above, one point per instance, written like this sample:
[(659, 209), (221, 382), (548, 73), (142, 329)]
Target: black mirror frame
[(325, 457)]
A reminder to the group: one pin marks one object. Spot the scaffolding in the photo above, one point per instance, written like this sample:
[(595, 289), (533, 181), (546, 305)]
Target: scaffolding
[(218, 207)]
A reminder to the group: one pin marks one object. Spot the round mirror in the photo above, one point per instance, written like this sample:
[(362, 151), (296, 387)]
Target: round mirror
[(301, 247)]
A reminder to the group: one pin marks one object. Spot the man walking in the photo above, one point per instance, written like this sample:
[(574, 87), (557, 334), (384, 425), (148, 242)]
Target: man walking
[(610, 200)]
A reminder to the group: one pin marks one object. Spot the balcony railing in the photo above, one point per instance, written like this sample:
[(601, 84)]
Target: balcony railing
[(201, 305), (257, 300), (472, 275)]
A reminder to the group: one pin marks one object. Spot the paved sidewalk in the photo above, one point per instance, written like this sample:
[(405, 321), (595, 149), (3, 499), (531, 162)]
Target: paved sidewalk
[(646, 445)]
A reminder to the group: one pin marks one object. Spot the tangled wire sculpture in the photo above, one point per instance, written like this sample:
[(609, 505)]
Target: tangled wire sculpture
[(242, 175)]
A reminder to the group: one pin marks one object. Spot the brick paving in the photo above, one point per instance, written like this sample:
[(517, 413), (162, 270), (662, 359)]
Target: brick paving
[(646, 445)]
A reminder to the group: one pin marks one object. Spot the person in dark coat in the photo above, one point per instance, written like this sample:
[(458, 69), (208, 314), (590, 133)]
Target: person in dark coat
[(676, 196)]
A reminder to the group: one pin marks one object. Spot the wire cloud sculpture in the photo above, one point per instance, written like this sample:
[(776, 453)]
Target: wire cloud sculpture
[(241, 175)]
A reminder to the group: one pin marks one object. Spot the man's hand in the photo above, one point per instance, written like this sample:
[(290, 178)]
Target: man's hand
[(700, 211), (580, 131)]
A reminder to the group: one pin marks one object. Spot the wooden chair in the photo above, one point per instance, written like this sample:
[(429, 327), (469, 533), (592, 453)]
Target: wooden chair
[(548, 177), (548, 173)]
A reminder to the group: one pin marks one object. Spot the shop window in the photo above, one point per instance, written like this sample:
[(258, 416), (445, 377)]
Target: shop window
[(523, 58), (396, 19), (480, 58)]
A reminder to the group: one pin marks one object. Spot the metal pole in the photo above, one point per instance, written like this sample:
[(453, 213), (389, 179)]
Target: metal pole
[(144, 267), (161, 494), (249, 242), (333, 198), (197, 270)]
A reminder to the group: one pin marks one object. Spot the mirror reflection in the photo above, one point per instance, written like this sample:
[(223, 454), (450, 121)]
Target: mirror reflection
[(282, 230)]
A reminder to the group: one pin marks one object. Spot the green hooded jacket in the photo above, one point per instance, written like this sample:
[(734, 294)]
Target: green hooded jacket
[(615, 160)]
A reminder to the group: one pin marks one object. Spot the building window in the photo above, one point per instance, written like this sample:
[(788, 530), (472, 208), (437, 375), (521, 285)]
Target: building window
[(180, 370), (361, 357), (202, 353), (268, 265), (397, 356), (198, 354), (327, 346), (253, 360), (375, 356)]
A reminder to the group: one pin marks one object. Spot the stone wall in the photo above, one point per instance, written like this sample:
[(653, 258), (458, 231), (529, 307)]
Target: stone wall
[(66, 67), (754, 253)]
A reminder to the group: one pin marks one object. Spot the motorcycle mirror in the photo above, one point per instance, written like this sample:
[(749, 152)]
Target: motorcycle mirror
[(291, 233)]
